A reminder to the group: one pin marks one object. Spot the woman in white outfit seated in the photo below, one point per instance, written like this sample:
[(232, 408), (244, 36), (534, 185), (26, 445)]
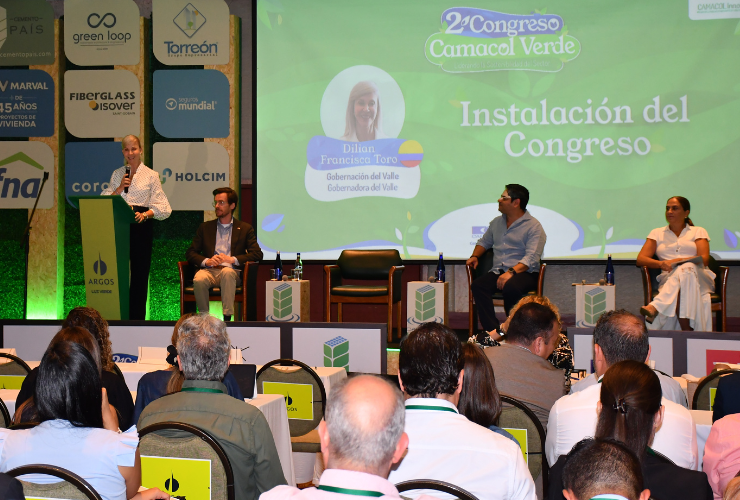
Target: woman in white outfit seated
[(683, 299)]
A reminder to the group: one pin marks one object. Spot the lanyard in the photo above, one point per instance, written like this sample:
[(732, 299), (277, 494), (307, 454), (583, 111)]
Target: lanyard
[(201, 389), (347, 491), (433, 408)]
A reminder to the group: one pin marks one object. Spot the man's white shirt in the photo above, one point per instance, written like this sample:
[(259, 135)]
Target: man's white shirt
[(671, 389), (446, 446), (574, 417)]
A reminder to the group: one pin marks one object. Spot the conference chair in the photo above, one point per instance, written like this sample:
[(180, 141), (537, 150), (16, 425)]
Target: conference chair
[(246, 292), (365, 265), (485, 263), (719, 300), (703, 395), (433, 484), (306, 386), (6, 421), (165, 440), (516, 418), (16, 366), (71, 486)]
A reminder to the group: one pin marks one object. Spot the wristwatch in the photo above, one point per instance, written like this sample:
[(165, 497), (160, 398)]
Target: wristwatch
[(511, 270)]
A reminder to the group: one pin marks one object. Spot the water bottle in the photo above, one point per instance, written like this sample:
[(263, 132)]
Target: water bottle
[(441, 269), (298, 265), (609, 275), (278, 267)]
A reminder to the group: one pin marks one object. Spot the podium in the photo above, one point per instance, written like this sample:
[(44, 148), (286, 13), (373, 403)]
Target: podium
[(104, 222)]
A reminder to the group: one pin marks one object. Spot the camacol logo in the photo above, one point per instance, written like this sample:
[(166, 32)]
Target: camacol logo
[(100, 267), (189, 20), (594, 304), (425, 303), (336, 353), (29, 188), (282, 301)]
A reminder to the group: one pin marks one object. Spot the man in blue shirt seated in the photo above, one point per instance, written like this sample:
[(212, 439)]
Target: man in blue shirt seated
[(517, 240)]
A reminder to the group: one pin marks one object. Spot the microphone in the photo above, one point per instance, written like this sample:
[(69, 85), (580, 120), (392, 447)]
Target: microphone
[(128, 172)]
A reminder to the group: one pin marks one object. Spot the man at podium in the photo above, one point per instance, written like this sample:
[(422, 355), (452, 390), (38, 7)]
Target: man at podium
[(220, 249), (141, 188)]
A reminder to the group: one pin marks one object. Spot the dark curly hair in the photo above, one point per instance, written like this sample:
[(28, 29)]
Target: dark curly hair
[(430, 361), (91, 320)]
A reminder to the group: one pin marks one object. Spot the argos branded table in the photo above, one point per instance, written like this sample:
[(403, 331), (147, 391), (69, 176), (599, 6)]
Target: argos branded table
[(426, 302), (592, 301), (288, 301)]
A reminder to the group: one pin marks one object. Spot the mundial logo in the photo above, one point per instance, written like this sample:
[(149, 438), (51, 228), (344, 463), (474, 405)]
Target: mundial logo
[(189, 20)]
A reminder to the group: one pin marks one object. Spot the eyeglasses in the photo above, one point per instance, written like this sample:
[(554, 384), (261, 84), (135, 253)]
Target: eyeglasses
[(220, 203), (504, 197)]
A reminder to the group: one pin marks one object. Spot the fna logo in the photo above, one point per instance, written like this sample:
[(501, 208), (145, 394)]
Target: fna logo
[(15, 187)]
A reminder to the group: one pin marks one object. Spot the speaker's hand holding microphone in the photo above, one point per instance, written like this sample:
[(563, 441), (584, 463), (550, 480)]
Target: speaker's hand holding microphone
[(125, 181)]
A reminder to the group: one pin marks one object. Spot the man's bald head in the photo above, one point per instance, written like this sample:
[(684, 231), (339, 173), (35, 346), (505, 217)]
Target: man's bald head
[(364, 419), (621, 336)]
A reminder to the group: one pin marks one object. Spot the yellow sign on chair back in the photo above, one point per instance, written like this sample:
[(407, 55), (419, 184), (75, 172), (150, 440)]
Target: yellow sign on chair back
[(298, 398), (521, 437), (11, 381), (188, 478)]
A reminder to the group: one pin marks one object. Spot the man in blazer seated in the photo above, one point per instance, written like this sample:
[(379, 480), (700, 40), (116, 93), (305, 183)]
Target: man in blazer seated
[(220, 248)]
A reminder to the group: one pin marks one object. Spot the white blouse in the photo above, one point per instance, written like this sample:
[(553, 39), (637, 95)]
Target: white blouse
[(93, 454), (145, 190), (669, 246)]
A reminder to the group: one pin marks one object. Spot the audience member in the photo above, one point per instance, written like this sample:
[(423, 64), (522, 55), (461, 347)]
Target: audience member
[(521, 366), (361, 438), (203, 356), (74, 432), (618, 336), (727, 397), (615, 341), (154, 385), (629, 410), (722, 453), (119, 394), (733, 489), (479, 399), (10, 488), (445, 445), (603, 468)]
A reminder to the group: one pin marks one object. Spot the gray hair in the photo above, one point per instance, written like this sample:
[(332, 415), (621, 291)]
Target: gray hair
[(622, 336), (203, 346), (371, 448)]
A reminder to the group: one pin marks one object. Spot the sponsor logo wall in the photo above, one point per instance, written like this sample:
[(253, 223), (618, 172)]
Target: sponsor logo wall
[(191, 32), (101, 103), (26, 103), (22, 167), (191, 103), (89, 166), (26, 33), (101, 32), (190, 171)]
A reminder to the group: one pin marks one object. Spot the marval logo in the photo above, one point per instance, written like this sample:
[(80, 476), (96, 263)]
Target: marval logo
[(28, 188), (104, 20), (189, 20)]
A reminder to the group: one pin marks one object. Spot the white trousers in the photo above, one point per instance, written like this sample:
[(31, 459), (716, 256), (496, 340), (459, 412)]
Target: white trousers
[(695, 284)]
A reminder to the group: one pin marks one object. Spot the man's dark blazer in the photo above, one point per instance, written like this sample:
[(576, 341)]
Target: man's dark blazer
[(244, 244), (727, 398), (10, 488)]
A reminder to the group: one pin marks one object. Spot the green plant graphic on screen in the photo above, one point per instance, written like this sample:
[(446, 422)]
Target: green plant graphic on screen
[(282, 301), (594, 304), (336, 353), (425, 303), (410, 229), (596, 228)]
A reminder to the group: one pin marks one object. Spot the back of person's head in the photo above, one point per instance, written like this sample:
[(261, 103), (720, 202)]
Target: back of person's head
[(602, 467), (430, 361), (68, 385), (732, 492), (365, 418), (203, 347), (83, 336), (518, 192), (621, 336), (174, 384), (479, 400), (630, 398), (530, 321), (91, 320)]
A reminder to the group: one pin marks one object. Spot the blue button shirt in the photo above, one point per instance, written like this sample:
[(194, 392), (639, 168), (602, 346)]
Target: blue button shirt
[(523, 242)]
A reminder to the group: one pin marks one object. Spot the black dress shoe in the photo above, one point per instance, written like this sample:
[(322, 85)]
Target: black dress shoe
[(227, 317)]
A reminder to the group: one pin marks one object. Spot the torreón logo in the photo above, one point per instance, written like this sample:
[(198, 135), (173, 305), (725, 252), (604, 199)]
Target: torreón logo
[(473, 40), (189, 20), (29, 188)]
